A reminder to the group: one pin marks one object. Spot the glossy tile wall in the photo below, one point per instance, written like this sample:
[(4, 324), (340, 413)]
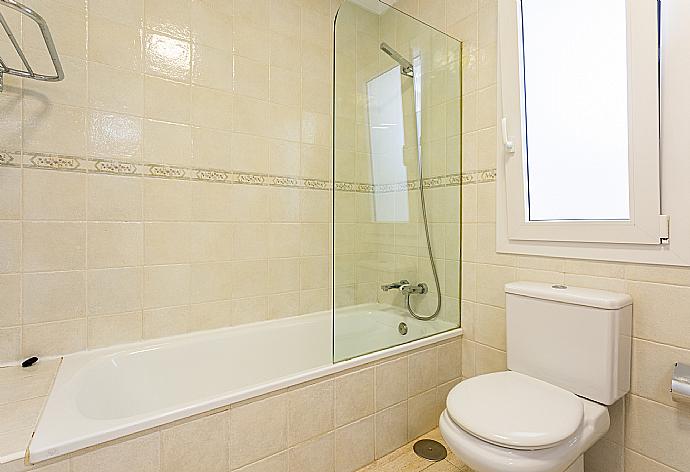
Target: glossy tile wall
[(176, 180)]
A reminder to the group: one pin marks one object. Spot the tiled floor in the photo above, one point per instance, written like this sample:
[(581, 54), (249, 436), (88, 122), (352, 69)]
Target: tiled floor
[(405, 460)]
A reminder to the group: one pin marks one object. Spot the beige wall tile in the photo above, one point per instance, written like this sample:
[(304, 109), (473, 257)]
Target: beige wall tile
[(212, 67), (317, 455), (10, 182), (128, 12), (488, 359), (652, 369), (604, 456), (141, 454), (158, 51), (249, 310), (211, 242), (113, 291), (391, 382), (169, 17), (635, 462), (114, 43), (167, 200), (114, 198), (107, 330), (421, 414), (276, 463), (114, 135), (490, 283), (449, 361), (167, 143), (258, 430), (423, 371), (49, 339), (310, 411), (53, 246), (53, 128), (212, 282), (166, 321), (10, 246), (166, 285), (53, 296), (53, 195), (212, 24), (490, 326), (167, 100), (68, 27), (660, 312), (10, 299), (10, 344), (166, 243), (354, 396), (354, 445), (196, 445), (659, 274), (115, 245), (658, 432), (115, 90), (390, 429)]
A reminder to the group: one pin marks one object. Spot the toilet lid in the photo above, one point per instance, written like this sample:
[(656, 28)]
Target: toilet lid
[(514, 410)]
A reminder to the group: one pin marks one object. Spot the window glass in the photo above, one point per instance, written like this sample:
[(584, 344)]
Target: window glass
[(576, 143)]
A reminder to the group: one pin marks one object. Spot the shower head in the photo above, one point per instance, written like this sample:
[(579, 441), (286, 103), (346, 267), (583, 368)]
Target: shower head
[(405, 65)]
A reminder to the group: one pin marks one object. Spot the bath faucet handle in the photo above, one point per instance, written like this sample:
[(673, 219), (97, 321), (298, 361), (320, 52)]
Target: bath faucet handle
[(394, 285)]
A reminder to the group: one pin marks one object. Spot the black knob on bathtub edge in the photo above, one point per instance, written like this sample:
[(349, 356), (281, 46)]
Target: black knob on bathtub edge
[(30, 361)]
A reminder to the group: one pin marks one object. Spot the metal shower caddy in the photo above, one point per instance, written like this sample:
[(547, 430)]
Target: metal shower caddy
[(29, 73)]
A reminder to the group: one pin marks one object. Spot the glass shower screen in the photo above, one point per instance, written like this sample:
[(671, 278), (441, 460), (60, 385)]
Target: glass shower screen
[(397, 174)]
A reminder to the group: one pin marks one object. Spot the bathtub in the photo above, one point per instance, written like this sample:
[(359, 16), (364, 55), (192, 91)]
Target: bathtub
[(106, 394)]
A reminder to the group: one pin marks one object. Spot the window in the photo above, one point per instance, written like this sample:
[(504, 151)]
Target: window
[(583, 89)]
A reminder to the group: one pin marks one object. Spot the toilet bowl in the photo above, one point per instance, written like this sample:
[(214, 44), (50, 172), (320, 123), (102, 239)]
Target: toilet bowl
[(510, 422), (568, 355)]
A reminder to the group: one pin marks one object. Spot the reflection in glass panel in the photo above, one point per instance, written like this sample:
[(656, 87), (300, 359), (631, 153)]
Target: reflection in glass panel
[(574, 138), (396, 122)]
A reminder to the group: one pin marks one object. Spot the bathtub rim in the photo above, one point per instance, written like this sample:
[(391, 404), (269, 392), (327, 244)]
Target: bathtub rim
[(225, 400)]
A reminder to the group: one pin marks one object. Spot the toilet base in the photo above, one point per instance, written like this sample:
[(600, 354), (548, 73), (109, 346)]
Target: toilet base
[(577, 466)]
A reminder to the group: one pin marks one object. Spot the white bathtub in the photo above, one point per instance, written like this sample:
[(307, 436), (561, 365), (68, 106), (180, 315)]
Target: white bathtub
[(108, 393)]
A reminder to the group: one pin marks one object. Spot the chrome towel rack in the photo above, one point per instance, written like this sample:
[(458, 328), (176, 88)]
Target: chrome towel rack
[(29, 73)]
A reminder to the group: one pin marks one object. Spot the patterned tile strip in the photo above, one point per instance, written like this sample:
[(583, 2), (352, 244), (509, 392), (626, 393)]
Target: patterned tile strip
[(114, 167)]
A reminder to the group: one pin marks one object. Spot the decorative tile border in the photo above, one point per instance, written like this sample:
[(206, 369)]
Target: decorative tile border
[(10, 159), (162, 171)]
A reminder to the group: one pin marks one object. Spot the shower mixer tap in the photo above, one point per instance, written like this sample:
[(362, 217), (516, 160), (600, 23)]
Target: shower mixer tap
[(406, 287), (419, 289), (395, 285)]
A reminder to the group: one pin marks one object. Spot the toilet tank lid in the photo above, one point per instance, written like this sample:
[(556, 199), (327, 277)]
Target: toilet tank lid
[(572, 295)]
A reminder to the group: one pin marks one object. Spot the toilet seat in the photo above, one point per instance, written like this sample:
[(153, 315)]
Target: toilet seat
[(515, 411)]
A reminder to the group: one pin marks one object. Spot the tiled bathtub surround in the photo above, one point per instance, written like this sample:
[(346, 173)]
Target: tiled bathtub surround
[(338, 423)]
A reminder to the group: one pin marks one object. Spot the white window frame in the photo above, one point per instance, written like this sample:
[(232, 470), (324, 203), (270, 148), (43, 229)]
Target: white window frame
[(647, 237)]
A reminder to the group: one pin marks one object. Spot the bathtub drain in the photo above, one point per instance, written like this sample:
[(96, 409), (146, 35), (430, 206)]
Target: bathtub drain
[(402, 328)]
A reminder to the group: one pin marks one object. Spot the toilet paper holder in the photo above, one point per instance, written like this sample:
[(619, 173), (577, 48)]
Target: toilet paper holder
[(680, 383)]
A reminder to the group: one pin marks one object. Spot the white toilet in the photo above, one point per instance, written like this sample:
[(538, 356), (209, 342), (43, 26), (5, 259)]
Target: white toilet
[(569, 356)]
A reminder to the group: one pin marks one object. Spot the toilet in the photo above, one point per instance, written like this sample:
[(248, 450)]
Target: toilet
[(568, 357)]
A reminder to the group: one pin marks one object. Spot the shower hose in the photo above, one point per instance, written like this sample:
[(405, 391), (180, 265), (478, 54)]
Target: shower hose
[(430, 252)]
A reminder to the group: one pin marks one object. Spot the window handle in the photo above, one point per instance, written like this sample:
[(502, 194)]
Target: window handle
[(508, 143)]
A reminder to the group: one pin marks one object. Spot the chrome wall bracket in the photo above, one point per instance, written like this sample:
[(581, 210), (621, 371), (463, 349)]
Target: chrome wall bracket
[(28, 71)]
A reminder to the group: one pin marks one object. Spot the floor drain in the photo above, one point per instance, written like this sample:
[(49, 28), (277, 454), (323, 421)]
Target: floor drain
[(430, 449)]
